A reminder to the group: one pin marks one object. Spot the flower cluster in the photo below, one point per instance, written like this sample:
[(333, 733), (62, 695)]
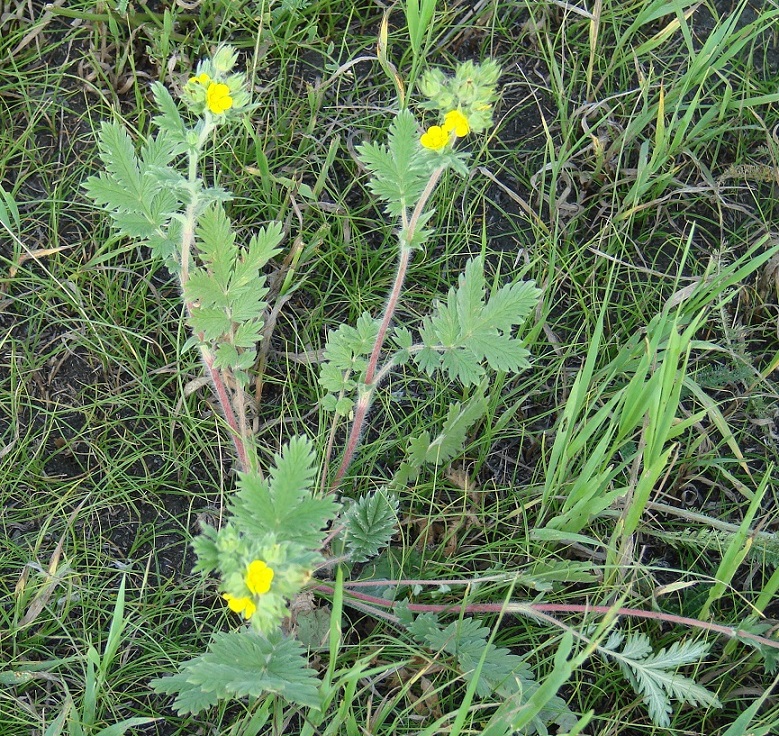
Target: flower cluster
[(217, 94), (258, 579), (214, 89), (471, 92), (437, 137)]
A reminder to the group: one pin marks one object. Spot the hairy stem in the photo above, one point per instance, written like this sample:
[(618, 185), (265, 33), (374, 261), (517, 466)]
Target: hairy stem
[(542, 609), (238, 425), (364, 399), (227, 408)]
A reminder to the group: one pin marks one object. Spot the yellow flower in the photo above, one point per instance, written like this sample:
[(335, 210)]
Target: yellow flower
[(258, 577), (435, 138), (455, 121), (218, 98), (203, 79), (243, 605)]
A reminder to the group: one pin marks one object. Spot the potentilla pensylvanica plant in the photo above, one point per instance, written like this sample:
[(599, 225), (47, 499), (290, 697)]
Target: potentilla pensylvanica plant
[(277, 523), (280, 525)]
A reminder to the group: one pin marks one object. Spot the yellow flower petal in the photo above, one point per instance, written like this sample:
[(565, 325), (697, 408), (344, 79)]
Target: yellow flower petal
[(218, 98), (258, 577), (242, 605), (455, 121), (435, 138)]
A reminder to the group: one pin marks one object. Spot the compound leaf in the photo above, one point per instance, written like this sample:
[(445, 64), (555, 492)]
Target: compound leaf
[(243, 664), (370, 523)]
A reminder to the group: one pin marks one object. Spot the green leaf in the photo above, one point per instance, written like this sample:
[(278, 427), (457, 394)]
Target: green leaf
[(211, 323), (262, 247), (466, 640), (201, 287), (399, 170), (654, 676), (121, 728), (243, 664), (135, 191), (346, 356), (204, 545), (169, 118), (190, 698), (293, 472), (216, 243), (118, 154), (370, 523), (470, 329), (284, 504), (107, 192), (451, 439)]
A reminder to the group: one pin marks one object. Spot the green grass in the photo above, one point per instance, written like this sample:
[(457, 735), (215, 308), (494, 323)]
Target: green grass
[(616, 178)]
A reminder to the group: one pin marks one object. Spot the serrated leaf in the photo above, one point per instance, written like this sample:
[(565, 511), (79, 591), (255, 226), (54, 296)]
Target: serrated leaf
[(468, 641), (370, 523), (243, 664), (118, 154), (157, 153), (284, 503), (346, 355), (209, 322), (399, 173), (205, 290), (463, 366), (105, 191), (637, 646), (343, 406), (509, 302), (135, 224), (334, 380), (248, 334), (204, 546), (190, 698), (216, 243), (655, 676), (417, 449), (450, 441), (402, 338), (262, 247), (293, 471), (469, 329), (170, 118)]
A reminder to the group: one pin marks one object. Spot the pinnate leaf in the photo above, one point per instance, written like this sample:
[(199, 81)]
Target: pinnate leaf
[(471, 328), (243, 664), (399, 173), (370, 523), (284, 504), (655, 676)]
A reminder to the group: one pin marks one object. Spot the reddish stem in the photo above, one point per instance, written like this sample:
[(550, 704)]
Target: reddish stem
[(541, 608), (389, 312), (363, 401), (227, 409)]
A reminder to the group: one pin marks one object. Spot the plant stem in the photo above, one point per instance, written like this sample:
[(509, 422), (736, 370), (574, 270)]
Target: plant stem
[(238, 426), (389, 312), (533, 609), (364, 399), (227, 409)]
